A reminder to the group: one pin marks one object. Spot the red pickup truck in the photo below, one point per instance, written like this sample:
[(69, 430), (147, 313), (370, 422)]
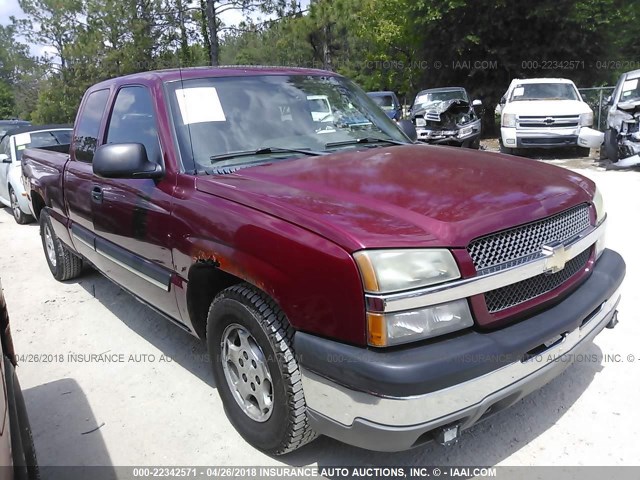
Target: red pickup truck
[(347, 281)]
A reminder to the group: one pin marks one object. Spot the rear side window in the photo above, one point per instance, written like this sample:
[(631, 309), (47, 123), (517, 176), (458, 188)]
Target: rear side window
[(133, 120), (85, 139)]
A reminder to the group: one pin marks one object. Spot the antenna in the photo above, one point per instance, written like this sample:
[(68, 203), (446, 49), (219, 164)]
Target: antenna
[(188, 125)]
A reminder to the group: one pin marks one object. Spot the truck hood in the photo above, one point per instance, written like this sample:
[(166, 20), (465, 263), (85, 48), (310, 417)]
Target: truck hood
[(404, 196), (547, 107)]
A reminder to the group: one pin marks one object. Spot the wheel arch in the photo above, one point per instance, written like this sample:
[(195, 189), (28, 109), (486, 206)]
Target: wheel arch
[(37, 203)]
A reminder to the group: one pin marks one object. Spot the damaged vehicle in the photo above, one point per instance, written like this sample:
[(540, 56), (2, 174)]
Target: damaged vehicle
[(622, 138), (445, 116)]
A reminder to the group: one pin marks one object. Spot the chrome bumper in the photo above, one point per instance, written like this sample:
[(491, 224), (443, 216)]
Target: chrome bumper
[(465, 402)]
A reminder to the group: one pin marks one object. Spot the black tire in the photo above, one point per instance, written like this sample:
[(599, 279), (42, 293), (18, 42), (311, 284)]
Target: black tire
[(583, 151), (66, 265), (19, 216), (507, 150), (287, 428), (25, 463), (610, 146)]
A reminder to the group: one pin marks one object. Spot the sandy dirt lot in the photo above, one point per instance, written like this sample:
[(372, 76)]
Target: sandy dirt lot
[(149, 388)]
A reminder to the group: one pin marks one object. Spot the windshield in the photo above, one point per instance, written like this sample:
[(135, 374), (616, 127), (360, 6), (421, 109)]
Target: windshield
[(217, 117), (544, 91), (630, 90), (426, 98), (385, 102), (47, 138)]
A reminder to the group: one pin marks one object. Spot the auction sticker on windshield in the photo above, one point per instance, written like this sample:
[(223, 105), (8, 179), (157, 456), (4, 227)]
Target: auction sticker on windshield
[(199, 105)]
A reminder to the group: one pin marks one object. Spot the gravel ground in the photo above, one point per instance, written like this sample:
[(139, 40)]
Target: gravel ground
[(152, 394)]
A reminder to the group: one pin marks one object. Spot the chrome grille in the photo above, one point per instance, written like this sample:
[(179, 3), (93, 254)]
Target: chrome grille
[(555, 121), (517, 245), (520, 292)]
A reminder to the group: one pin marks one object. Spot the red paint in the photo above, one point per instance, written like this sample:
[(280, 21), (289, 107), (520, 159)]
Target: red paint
[(290, 227)]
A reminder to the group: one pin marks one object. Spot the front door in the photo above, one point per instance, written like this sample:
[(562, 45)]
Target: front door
[(131, 217)]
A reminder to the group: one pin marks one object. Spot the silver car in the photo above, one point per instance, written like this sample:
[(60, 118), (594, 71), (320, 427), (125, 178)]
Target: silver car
[(12, 145)]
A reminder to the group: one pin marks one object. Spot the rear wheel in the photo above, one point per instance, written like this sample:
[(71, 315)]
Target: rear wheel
[(256, 373), (19, 216), (64, 264)]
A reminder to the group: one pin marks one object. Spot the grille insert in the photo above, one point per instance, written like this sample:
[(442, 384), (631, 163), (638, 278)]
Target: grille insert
[(520, 292), (517, 245)]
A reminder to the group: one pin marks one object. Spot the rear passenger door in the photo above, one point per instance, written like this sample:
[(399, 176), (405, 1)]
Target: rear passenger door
[(131, 217), (78, 174)]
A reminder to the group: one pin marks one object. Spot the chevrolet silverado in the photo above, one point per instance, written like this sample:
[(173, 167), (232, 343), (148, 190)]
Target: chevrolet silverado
[(347, 281)]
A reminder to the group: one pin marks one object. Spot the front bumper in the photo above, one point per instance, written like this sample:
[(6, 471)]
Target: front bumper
[(395, 400), (463, 136), (551, 137)]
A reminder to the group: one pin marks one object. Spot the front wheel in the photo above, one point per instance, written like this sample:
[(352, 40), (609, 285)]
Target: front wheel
[(584, 151), (20, 217), (64, 264), (255, 369), (610, 146)]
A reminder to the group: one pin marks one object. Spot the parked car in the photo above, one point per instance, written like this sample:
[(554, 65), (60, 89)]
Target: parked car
[(446, 116), (622, 137), (320, 108), (389, 103), (543, 113), (16, 440), (7, 125), (348, 283), (12, 145)]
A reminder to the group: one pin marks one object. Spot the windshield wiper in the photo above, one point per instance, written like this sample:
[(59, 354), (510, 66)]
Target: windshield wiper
[(262, 151), (364, 140)]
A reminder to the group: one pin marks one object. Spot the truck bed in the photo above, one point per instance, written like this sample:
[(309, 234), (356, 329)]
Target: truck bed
[(42, 170)]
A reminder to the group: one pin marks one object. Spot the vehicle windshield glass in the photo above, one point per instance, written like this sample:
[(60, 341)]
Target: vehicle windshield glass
[(544, 91), (47, 138), (214, 117), (385, 102), (630, 90), (425, 99)]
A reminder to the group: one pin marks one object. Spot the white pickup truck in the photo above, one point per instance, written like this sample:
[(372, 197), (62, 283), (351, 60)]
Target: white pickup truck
[(543, 113)]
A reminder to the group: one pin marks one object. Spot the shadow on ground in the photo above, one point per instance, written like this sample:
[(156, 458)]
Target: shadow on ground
[(66, 433), (186, 350), (485, 444)]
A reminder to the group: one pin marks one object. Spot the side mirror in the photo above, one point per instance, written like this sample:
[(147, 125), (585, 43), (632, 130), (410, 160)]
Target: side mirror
[(503, 100), (124, 160), (409, 129), (609, 100), (4, 158), (476, 103)]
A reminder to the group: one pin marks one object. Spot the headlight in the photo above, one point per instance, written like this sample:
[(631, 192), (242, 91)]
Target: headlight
[(508, 119), (387, 329), (586, 119), (598, 203), (421, 122), (386, 271)]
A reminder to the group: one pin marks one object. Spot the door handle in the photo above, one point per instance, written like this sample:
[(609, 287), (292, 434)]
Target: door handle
[(96, 194)]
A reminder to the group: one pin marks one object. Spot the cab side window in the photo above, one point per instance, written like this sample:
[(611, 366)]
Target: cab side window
[(4, 146), (133, 120), (85, 139)]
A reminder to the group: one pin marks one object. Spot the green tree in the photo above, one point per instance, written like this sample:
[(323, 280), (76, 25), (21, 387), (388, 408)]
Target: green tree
[(7, 102)]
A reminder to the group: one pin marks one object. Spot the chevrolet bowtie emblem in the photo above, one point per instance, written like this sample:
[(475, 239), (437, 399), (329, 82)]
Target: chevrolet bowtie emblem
[(556, 257)]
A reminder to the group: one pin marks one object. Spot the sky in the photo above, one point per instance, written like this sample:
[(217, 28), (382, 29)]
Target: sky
[(9, 8)]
